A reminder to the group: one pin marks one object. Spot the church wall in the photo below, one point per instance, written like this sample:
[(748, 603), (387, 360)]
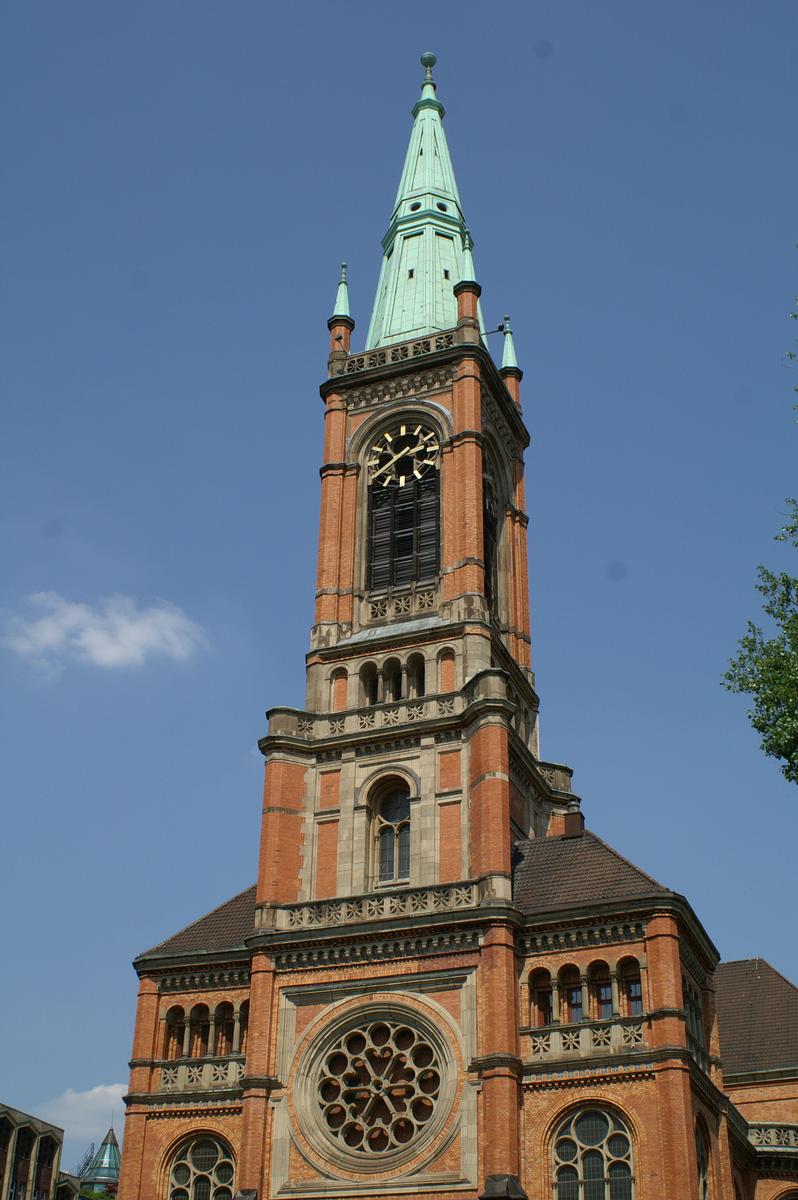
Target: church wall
[(776, 1100)]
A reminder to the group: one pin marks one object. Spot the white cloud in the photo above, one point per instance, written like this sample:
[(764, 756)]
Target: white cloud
[(112, 633), (85, 1116)]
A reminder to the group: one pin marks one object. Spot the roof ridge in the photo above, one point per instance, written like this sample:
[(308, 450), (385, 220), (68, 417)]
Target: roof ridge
[(758, 958), (196, 921), (626, 861)]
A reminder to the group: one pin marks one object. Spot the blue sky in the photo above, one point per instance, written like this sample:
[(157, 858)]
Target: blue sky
[(181, 183)]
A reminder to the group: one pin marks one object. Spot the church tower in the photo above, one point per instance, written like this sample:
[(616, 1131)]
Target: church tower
[(393, 800), (441, 985)]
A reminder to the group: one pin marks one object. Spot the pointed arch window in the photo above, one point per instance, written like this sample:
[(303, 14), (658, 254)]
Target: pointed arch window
[(403, 507), (392, 843)]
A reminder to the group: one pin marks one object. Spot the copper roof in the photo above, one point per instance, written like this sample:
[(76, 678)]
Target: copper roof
[(758, 1017)]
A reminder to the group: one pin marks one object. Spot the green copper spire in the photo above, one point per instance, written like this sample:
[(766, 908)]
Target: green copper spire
[(508, 356), (104, 1167), (342, 298), (427, 248)]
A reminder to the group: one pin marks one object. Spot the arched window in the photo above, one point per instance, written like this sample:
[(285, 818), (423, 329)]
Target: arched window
[(600, 991), (202, 1169), (631, 987), (392, 679), (245, 1026), (244, 1020), (200, 1031), (416, 676), (392, 848), (702, 1161), (403, 506), (175, 1033), (225, 1026), (540, 988), (571, 1009), (593, 1158), (368, 684)]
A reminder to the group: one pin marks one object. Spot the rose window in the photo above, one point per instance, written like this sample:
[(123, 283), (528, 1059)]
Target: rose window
[(378, 1087), (202, 1170)]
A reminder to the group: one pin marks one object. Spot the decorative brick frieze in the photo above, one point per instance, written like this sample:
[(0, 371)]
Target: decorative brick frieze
[(198, 980), (365, 950), (380, 906), (605, 934), (400, 353)]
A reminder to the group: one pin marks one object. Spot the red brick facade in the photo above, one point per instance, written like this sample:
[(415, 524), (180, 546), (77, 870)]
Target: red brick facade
[(439, 971)]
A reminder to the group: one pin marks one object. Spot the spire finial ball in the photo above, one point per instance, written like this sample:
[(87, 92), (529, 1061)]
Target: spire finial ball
[(428, 60)]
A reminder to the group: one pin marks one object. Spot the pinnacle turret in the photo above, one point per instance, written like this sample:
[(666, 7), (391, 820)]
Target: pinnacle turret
[(342, 297), (427, 248), (508, 355)]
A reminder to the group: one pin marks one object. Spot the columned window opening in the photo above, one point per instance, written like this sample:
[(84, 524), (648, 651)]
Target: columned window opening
[(225, 1025), (200, 1031), (392, 834), (542, 1005), (572, 1007), (244, 1026), (601, 991), (202, 1169), (368, 684), (416, 676), (392, 680), (593, 1158), (631, 987), (175, 1034)]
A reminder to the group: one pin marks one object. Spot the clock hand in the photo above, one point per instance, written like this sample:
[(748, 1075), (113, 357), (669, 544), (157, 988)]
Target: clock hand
[(390, 463)]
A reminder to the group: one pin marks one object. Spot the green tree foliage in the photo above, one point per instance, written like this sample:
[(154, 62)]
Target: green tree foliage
[(766, 668)]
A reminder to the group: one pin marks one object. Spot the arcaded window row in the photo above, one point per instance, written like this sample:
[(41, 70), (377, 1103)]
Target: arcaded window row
[(202, 1033), (597, 994)]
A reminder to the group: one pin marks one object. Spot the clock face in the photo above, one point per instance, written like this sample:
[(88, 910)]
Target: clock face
[(403, 454)]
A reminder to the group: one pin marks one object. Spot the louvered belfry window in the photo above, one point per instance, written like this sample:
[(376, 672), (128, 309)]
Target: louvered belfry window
[(403, 533)]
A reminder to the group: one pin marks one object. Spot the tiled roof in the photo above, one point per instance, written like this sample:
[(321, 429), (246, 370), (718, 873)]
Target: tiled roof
[(222, 929), (758, 1017), (562, 872), (549, 873)]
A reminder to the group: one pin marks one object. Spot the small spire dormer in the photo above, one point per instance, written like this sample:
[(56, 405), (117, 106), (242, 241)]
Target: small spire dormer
[(510, 371), (340, 323), (427, 248)]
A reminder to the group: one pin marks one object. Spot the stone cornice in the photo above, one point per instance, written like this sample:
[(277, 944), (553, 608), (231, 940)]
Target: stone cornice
[(387, 362), (220, 962), (670, 902)]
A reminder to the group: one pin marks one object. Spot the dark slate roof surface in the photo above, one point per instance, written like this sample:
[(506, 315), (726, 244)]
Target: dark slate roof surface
[(548, 873), (561, 872), (758, 1017), (222, 929)]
